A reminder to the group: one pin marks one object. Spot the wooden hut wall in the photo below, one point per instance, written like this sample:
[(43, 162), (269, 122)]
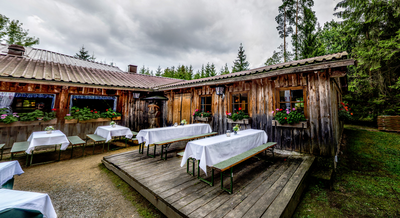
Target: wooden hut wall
[(320, 137), (134, 111)]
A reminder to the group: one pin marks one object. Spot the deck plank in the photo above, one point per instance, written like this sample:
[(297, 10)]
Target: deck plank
[(262, 186)]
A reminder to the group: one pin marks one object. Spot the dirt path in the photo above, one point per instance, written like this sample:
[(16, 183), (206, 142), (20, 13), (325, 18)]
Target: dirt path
[(78, 187)]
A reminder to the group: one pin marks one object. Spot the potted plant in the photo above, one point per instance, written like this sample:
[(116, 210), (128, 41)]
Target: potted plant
[(289, 118), (113, 124), (201, 116), (49, 129), (86, 115), (236, 128), (183, 122), (237, 117), (110, 113), (70, 119), (7, 118)]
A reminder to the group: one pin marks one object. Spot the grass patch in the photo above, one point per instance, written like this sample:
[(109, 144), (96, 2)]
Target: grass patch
[(367, 181), (143, 206)]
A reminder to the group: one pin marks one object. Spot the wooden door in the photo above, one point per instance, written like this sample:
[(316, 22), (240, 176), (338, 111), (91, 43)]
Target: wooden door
[(186, 105), (182, 108)]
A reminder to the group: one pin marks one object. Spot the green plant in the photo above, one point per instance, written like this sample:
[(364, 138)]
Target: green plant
[(31, 116), (183, 122), (68, 117), (237, 115), (288, 116), (197, 113), (112, 123), (236, 128), (84, 113), (344, 112), (49, 128), (109, 113)]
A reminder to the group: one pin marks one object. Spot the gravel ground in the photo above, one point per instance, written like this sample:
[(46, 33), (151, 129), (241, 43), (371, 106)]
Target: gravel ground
[(78, 187)]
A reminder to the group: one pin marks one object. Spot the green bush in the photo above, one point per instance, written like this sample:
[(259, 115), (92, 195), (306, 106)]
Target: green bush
[(84, 113), (110, 114), (288, 116), (237, 115)]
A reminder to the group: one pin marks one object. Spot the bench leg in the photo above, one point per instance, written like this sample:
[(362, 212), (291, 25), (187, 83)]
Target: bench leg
[(193, 165), (72, 151), (164, 148), (211, 183), (94, 145), (230, 191), (31, 159), (59, 153), (27, 160), (154, 153), (141, 148), (103, 146), (11, 156)]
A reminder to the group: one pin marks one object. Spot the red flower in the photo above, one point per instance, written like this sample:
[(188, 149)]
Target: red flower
[(281, 109), (351, 114), (106, 109), (284, 159), (237, 112), (53, 109), (208, 111), (240, 108), (285, 118), (113, 114), (95, 112), (91, 111), (77, 110)]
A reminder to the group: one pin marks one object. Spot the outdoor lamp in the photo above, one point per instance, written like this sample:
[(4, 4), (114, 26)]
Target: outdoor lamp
[(136, 94), (220, 91)]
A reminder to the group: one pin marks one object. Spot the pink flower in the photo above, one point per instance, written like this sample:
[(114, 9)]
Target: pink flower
[(68, 114), (193, 114), (287, 112), (272, 111), (15, 113), (229, 114), (196, 110), (277, 109), (294, 109)]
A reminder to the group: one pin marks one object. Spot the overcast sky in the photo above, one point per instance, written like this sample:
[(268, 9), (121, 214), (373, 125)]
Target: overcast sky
[(157, 33)]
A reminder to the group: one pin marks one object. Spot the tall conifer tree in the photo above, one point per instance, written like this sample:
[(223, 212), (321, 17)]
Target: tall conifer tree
[(240, 64)]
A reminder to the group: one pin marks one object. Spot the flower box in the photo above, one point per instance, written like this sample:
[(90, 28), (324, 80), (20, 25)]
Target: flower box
[(95, 120), (302, 124), (30, 123), (243, 121), (71, 121), (117, 118), (203, 119)]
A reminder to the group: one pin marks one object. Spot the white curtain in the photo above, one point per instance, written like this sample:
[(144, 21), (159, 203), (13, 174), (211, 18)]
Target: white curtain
[(6, 99)]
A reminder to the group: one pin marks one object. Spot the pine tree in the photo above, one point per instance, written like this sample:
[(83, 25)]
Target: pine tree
[(240, 64), (276, 58), (197, 75), (213, 72), (158, 71), (12, 33), (224, 70), (83, 54), (202, 72), (307, 37), (284, 20)]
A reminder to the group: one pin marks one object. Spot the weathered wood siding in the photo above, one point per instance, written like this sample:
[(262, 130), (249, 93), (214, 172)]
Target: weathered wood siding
[(134, 111), (319, 138)]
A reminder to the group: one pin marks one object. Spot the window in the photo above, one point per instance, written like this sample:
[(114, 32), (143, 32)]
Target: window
[(292, 98), (205, 103), (26, 102), (100, 103), (240, 100)]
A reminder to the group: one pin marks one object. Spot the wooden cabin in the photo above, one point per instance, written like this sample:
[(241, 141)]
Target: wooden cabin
[(58, 81), (312, 85)]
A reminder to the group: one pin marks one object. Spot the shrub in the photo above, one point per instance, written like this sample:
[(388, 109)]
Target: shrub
[(288, 116), (237, 115), (344, 112), (110, 114), (197, 113)]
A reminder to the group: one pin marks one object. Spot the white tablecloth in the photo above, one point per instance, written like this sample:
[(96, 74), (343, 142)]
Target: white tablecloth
[(27, 200), (108, 132), (213, 150), (42, 138), (151, 136), (8, 170)]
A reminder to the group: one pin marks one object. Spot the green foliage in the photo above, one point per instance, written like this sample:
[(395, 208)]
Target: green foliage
[(36, 115), (344, 112), (240, 64), (84, 55), (7, 118), (288, 116), (112, 122), (11, 32), (237, 115), (84, 113), (225, 70), (110, 113), (49, 128), (145, 71), (184, 122), (198, 113), (69, 117), (283, 19), (236, 128)]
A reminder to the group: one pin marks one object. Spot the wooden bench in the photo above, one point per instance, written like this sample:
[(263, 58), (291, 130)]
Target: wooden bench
[(165, 144), (95, 138), (2, 149), (19, 147), (233, 161), (75, 141)]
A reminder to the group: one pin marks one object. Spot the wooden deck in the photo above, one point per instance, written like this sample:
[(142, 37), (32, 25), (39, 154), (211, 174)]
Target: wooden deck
[(263, 187)]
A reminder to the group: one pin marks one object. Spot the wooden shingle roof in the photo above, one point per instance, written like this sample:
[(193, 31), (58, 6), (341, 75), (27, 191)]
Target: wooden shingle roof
[(42, 65)]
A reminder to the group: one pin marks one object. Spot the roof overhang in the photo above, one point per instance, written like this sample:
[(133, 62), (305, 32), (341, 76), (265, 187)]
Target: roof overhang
[(263, 74)]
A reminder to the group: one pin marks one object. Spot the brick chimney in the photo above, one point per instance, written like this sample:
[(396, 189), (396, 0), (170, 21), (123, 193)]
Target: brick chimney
[(17, 50), (132, 69)]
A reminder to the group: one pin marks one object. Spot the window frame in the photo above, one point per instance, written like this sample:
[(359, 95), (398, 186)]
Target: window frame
[(278, 102), (230, 103), (200, 96)]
